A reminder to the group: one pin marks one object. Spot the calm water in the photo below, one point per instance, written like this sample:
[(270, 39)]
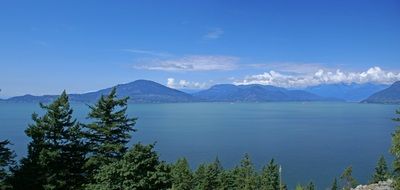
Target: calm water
[(312, 141)]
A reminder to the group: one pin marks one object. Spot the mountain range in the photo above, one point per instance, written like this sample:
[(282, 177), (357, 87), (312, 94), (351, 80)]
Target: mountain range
[(254, 93), (389, 95), (349, 92), (145, 91), (140, 91)]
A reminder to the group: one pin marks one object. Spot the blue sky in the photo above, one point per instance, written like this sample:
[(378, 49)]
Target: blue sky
[(80, 46)]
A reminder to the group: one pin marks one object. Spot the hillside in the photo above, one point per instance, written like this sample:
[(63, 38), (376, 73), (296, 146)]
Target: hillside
[(389, 95), (254, 93), (349, 92), (140, 91)]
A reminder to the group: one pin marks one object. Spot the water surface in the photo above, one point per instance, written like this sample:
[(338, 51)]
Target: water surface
[(313, 141)]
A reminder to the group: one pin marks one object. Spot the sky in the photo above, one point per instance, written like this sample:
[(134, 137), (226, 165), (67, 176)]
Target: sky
[(81, 46)]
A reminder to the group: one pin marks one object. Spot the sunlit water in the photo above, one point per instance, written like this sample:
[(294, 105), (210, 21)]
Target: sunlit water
[(312, 141)]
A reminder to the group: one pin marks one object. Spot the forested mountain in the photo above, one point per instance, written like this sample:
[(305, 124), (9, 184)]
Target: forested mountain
[(349, 92), (144, 91), (141, 91), (254, 93), (389, 95)]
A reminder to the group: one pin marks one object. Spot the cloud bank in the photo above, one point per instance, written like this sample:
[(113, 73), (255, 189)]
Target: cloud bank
[(172, 83), (372, 75), (191, 63)]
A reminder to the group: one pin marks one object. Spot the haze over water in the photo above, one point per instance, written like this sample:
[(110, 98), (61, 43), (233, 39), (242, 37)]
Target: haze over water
[(312, 140)]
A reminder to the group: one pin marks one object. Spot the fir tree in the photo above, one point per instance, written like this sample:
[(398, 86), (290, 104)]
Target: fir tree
[(182, 177), (381, 171), (139, 169), (270, 176), (56, 153), (227, 180), (6, 161), (347, 179), (334, 185), (108, 134), (395, 150), (246, 177), (200, 177), (299, 187), (213, 172), (310, 186)]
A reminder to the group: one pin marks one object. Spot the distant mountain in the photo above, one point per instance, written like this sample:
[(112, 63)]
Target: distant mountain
[(389, 95), (348, 92), (140, 91), (254, 93)]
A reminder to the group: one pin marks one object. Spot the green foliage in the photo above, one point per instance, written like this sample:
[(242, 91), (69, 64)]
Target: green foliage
[(139, 169), (108, 134), (334, 185), (395, 150), (182, 177), (299, 187), (270, 179), (56, 153), (381, 171), (246, 177), (227, 180), (6, 161), (310, 186), (347, 179)]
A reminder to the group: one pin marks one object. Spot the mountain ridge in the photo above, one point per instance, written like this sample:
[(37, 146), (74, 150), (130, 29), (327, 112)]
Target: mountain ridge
[(390, 95), (146, 91)]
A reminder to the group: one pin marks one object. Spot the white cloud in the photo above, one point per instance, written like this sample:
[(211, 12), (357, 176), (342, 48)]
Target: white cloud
[(147, 52), (185, 84), (214, 34), (191, 63), (372, 75)]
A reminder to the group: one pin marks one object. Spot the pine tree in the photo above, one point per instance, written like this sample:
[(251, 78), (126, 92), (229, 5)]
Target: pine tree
[(182, 177), (56, 153), (139, 169), (270, 176), (6, 161), (213, 172), (299, 187), (108, 134), (395, 150), (334, 185), (245, 175), (347, 179), (381, 171), (200, 177), (310, 186), (227, 180)]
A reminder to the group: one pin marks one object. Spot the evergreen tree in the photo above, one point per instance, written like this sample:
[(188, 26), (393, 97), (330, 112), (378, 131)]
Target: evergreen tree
[(56, 153), (310, 186), (227, 180), (208, 176), (6, 161), (213, 172), (347, 179), (138, 169), (381, 171), (246, 177), (200, 177), (182, 177), (270, 176), (108, 134), (299, 187), (395, 150), (334, 185)]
